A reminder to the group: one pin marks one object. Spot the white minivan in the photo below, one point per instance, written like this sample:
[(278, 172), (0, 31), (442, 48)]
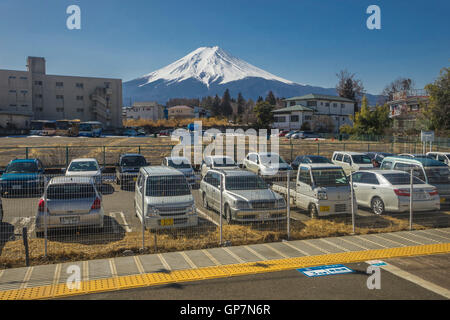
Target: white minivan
[(163, 199), (351, 161)]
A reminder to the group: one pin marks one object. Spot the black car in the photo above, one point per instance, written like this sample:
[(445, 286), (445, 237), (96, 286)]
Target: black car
[(377, 157), (128, 168), (308, 159)]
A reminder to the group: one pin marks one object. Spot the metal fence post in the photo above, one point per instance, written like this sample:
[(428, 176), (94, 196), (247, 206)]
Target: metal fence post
[(25, 244), (104, 156), (318, 149), (411, 200), (67, 156), (221, 207), (288, 204), (45, 220), (144, 187), (139, 149), (290, 141), (26, 152), (352, 199), (344, 146)]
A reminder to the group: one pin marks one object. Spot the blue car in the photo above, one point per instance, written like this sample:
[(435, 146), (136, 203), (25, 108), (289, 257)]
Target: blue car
[(23, 176)]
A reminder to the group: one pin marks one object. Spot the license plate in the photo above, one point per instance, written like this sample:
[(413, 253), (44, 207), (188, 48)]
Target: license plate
[(167, 222), (442, 200), (16, 187), (264, 216), (419, 196), (324, 208), (70, 220)]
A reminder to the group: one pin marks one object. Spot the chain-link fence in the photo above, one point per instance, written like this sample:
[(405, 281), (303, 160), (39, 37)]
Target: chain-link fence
[(98, 212)]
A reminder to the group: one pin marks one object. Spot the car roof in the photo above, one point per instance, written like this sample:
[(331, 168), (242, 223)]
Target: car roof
[(320, 165), (177, 158), (236, 172), (66, 179), (382, 171), (131, 155), (161, 171), (352, 153), (426, 162), (438, 152), (24, 160), (84, 159)]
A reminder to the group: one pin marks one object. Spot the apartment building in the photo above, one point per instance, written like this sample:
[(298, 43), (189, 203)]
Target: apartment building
[(405, 106), (149, 110), (35, 95), (320, 113)]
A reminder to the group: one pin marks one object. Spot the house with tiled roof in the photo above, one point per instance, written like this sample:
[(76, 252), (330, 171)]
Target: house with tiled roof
[(321, 112)]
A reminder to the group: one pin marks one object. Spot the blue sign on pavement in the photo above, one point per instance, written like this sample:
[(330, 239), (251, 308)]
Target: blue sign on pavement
[(325, 270)]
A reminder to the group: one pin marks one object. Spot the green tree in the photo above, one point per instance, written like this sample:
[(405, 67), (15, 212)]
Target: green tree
[(216, 109), (263, 113), (438, 110), (225, 104), (271, 98)]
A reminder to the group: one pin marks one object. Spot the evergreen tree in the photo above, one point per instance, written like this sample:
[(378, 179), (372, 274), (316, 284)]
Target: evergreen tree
[(264, 115), (240, 104), (216, 109), (260, 99), (227, 110), (271, 98)]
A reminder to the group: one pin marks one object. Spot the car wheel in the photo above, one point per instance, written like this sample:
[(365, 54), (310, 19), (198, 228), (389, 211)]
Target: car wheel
[(377, 206), (228, 214), (313, 211), (205, 202)]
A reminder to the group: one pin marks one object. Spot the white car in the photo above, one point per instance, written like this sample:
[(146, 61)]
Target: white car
[(85, 167), (267, 164), (217, 162), (352, 161)]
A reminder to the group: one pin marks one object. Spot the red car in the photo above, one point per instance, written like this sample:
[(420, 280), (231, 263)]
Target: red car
[(283, 133)]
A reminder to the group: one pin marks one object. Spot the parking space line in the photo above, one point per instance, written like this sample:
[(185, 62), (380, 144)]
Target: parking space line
[(335, 245), (275, 250), (139, 265), (27, 278), (126, 226), (85, 271), (432, 234), (354, 243), (112, 266), (416, 242), (317, 247), (442, 231), (255, 253), (56, 276), (373, 242), (207, 217), (419, 236), (233, 255), (295, 248), (417, 280), (114, 225), (188, 260), (209, 255), (1, 273), (164, 262), (386, 239)]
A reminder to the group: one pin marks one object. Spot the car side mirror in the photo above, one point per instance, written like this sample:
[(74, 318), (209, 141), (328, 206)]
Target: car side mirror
[(63, 170)]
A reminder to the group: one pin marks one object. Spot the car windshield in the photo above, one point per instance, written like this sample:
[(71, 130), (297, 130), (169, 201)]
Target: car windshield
[(167, 186), (224, 162), (438, 175), (318, 160), (401, 178), (85, 127), (71, 191), (179, 164), (271, 158), (133, 161), (329, 177), (37, 125), (83, 166), (22, 167), (361, 159), (245, 183)]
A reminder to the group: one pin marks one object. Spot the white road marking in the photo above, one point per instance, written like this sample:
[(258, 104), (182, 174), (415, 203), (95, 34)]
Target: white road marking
[(164, 262), (417, 280), (27, 278), (207, 217), (314, 246), (442, 231), (354, 243), (56, 277), (275, 250), (255, 253), (386, 239), (373, 242), (139, 265), (432, 234), (396, 235), (112, 266), (335, 245), (295, 248), (125, 223), (85, 271), (419, 236), (210, 256), (188, 260), (236, 257), (1, 273)]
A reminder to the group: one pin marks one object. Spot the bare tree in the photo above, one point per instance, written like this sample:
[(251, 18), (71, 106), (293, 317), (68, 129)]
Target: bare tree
[(349, 87), (398, 85)]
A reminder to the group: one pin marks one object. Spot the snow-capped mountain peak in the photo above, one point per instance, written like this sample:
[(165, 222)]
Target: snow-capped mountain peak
[(209, 65)]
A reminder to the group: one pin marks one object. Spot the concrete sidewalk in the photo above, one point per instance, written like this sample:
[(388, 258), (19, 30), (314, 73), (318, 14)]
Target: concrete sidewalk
[(37, 276)]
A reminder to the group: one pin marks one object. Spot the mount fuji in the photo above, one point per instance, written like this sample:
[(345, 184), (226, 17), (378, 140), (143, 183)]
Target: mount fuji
[(208, 71)]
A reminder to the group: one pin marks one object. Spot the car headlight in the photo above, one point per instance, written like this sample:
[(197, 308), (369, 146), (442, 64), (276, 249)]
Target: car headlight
[(322, 195), (281, 203), (241, 204), (151, 211), (191, 209)]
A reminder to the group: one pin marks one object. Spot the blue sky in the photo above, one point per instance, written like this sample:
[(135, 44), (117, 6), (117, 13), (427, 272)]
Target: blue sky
[(303, 41)]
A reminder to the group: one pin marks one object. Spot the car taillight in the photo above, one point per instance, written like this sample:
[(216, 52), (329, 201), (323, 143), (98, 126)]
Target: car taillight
[(402, 192), (97, 204), (434, 192), (41, 206)]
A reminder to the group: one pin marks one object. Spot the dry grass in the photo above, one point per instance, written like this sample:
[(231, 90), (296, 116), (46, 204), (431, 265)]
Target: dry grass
[(13, 254), (175, 123)]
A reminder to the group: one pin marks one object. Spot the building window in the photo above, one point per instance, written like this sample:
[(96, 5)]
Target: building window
[(80, 110), (79, 85), (292, 103), (334, 105), (12, 91), (38, 96), (107, 84), (59, 97), (12, 77), (40, 109), (60, 84), (342, 105), (59, 109), (308, 117), (24, 105), (80, 97), (311, 103), (38, 83), (24, 91), (343, 119), (13, 105), (294, 118), (23, 78), (280, 119), (321, 103), (327, 104)]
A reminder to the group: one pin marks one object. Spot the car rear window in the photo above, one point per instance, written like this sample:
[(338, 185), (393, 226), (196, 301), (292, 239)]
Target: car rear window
[(133, 161), (71, 191), (401, 179)]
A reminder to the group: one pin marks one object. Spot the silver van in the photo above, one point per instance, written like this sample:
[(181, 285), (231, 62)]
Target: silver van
[(431, 171), (163, 199)]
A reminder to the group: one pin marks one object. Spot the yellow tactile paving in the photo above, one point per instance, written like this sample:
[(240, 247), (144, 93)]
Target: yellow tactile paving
[(153, 279)]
